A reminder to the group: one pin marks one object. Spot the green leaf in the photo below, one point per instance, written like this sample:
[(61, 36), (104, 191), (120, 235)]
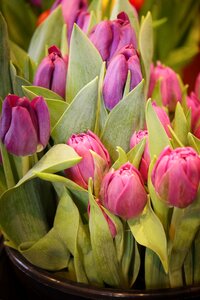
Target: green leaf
[(135, 154), (196, 258), (158, 138), (24, 212), (47, 34), (188, 267), (102, 245), (181, 126), (5, 82), (3, 185), (80, 115), (84, 63), (122, 158), (58, 158), (34, 91), (127, 8), (9, 176), (194, 142), (149, 232), (126, 117), (146, 47)]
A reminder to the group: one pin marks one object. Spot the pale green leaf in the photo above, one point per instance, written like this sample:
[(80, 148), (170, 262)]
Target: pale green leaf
[(122, 158), (34, 91), (181, 126), (84, 63)]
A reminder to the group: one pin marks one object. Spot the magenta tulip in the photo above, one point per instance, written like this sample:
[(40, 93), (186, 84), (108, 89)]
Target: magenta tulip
[(170, 87), (194, 104), (52, 72), (110, 36), (116, 75), (163, 117), (123, 193), (145, 161), (82, 144), (25, 125), (176, 176)]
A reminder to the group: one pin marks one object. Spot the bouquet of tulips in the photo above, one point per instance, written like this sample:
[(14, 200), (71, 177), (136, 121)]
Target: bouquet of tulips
[(100, 164)]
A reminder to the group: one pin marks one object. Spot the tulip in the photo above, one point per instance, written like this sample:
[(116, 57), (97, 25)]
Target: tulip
[(82, 143), (145, 161), (137, 3), (176, 176), (111, 225), (52, 72), (110, 36), (194, 103), (25, 125), (116, 75), (73, 11), (163, 117), (170, 87), (123, 193)]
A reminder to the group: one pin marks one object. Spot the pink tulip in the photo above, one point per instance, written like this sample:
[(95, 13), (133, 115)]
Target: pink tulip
[(176, 176), (163, 117), (123, 193), (82, 144)]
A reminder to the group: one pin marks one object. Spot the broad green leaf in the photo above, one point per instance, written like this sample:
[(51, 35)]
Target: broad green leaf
[(122, 158), (158, 138), (127, 8), (48, 33), (149, 232), (80, 115), (102, 245), (181, 126), (5, 82), (9, 176), (146, 47), (126, 117), (84, 63), (3, 185), (34, 91), (58, 158), (188, 267), (64, 48), (24, 212)]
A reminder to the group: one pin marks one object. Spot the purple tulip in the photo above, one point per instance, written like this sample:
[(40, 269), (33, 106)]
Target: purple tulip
[(82, 144), (52, 72), (194, 104), (110, 36), (163, 117), (145, 161), (111, 225), (74, 11), (25, 125), (170, 87), (176, 176), (116, 75), (123, 193)]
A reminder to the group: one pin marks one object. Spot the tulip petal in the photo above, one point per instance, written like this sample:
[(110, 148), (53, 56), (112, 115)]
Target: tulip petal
[(44, 73), (59, 77), (21, 138)]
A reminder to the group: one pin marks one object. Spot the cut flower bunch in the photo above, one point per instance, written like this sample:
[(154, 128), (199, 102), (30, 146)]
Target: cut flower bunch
[(100, 164)]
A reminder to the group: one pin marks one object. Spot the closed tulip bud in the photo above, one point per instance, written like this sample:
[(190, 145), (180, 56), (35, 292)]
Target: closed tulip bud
[(25, 125), (110, 36), (176, 176), (194, 104), (116, 75), (82, 143), (123, 193), (72, 11), (111, 225), (170, 87), (163, 117), (52, 72), (145, 161)]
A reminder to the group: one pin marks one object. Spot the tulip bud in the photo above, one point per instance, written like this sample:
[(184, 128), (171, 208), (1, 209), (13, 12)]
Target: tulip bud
[(123, 193), (52, 72), (116, 75), (72, 11), (110, 36), (176, 176), (25, 125), (82, 144), (194, 103), (145, 161), (111, 225), (163, 117), (170, 87)]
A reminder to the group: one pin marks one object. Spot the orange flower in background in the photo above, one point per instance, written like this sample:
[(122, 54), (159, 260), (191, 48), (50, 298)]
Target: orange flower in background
[(42, 17)]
